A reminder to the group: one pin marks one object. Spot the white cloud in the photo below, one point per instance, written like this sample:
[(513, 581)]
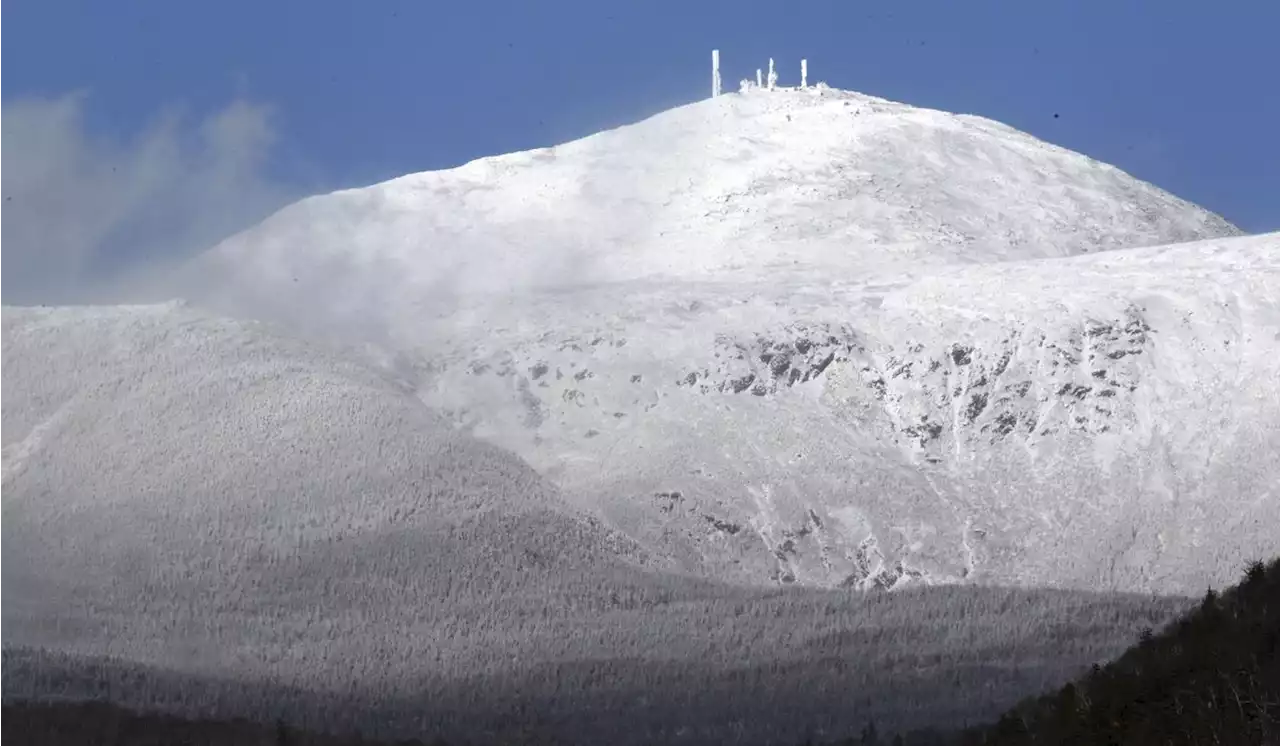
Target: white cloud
[(88, 218)]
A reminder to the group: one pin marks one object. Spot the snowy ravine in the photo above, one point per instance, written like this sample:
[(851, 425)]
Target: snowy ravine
[(816, 337), (1105, 421)]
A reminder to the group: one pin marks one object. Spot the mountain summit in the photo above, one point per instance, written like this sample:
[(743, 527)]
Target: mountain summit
[(815, 337), (741, 186)]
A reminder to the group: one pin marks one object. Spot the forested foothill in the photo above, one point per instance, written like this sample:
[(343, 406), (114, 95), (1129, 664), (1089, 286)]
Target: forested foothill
[(765, 667), (1210, 676)]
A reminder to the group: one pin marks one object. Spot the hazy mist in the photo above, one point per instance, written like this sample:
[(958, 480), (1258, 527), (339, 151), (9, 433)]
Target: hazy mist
[(95, 219)]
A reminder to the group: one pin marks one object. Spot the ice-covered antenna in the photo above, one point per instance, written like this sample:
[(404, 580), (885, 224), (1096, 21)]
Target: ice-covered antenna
[(715, 73), (804, 73), (759, 79), (773, 76)]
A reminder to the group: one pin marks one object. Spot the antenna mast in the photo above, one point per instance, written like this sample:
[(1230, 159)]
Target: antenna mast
[(715, 73)]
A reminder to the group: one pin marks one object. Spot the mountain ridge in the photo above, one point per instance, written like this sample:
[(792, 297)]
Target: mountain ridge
[(743, 186)]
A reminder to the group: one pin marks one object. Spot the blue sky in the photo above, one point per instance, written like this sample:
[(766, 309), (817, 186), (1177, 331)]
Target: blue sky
[(1182, 93)]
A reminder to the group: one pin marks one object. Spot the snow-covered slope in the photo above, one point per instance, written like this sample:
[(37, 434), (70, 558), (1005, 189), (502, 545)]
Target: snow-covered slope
[(827, 182), (818, 337), (167, 475), (1097, 421), (277, 531)]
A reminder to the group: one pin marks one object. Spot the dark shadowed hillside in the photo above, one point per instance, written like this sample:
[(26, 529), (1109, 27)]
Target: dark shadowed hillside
[(1212, 677), (655, 664), (102, 724)]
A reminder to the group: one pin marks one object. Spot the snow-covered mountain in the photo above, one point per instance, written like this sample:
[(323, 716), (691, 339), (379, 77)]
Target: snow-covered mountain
[(1099, 421), (252, 526), (820, 182), (817, 337), (173, 480)]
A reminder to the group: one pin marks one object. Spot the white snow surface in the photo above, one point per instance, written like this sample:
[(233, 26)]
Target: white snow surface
[(819, 337), (1104, 421), (739, 187)]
